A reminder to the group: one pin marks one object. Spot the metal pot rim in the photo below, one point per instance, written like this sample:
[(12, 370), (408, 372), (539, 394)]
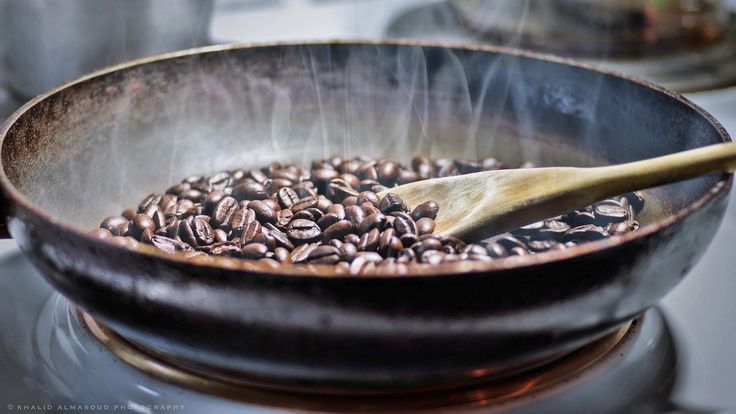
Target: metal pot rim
[(463, 267)]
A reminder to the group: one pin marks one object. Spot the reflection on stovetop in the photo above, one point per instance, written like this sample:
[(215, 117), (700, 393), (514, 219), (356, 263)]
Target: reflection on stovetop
[(61, 363)]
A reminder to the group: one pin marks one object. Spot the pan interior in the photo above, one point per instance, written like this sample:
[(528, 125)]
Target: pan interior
[(104, 143)]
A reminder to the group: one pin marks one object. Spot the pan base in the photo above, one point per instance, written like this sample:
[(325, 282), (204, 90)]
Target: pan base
[(496, 389)]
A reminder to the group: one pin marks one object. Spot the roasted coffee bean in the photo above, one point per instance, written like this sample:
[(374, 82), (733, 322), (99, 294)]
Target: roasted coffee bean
[(403, 223), (355, 215), (338, 230), (610, 213), (387, 171), (465, 166), (327, 220), (347, 251), (282, 240), (152, 199), (587, 232), (369, 241), (112, 223), (264, 212), (281, 205), (305, 215), (281, 255), (425, 225), (617, 229), (302, 231), (541, 245), (338, 210), (129, 214), (300, 253), (391, 203), (178, 188), (304, 203), (224, 211), (186, 233), (287, 197), (314, 212), (101, 234), (212, 199), (254, 251), (324, 255), (250, 231), (428, 209), (370, 197), (497, 250), (220, 236), (203, 232), (141, 222), (170, 245), (240, 219)]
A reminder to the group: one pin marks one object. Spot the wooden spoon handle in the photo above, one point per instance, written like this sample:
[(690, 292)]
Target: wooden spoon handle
[(622, 178)]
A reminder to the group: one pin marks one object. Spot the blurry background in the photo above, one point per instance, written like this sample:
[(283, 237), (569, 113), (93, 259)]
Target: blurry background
[(685, 45)]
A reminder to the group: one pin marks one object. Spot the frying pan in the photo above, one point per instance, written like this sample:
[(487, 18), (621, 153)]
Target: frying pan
[(89, 148)]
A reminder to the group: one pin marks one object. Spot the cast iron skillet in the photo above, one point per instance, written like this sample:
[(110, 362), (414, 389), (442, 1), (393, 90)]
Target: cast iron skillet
[(102, 142)]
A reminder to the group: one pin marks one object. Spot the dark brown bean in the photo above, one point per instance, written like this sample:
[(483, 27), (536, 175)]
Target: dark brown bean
[(427, 209), (302, 231), (112, 223), (355, 214), (425, 225), (391, 203), (224, 211), (369, 241), (170, 245), (203, 232), (387, 171), (264, 212), (287, 197), (254, 251), (403, 223), (250, 231)]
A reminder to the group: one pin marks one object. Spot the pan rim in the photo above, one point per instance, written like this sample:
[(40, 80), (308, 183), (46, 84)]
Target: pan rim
[(724, 184)]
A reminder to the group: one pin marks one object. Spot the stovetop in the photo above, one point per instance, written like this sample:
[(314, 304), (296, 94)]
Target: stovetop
[(692, 355)]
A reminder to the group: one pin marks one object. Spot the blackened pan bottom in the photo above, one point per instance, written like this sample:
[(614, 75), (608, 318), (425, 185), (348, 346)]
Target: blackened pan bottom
[(499, 388)]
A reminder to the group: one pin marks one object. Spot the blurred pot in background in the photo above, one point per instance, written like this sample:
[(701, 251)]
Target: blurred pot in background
[(598, 27), (47, 42)]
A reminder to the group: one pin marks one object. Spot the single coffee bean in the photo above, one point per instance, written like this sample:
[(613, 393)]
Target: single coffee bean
[(617, 229), (186, 233), (129, 214), (170, 245), (305, 215), (610, 213), (250, 231), (338, 230), (203, 232), (300, 253), (304, 203), (327, 220), (178, 188), (497, 250), (373, 221), (588, 232), (369, 241), (220, 180), (425, 225), (324, 255), (428, 209), (282, 240), (220, 236), (281, 255), (287, 197), (152, 199), (370, 197), (302, 231), (387, 171), (112, 223), (212, 200), (265, 239), (141, 223), (391, 203), (403, 223), (254, 251), (224, 211), (356, 215), (264, 212), (348, 251), (101, 234), (352, 239), (240, 219)]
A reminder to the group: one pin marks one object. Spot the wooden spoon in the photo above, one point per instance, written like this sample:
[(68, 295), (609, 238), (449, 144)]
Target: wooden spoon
[(492, 202)]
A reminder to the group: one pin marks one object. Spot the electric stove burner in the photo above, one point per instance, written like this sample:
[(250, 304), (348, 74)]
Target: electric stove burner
[(686, 69), (491, 392)]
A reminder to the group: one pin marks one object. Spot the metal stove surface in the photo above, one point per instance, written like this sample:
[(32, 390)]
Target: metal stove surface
[(682, 360)]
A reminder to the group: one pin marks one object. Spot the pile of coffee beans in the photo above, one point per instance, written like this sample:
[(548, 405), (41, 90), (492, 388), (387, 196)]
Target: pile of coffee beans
[(331, 214)]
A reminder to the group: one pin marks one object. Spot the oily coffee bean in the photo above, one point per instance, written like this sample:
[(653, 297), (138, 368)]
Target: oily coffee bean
[(331, 213), (391, 203), (170, 245), (427, 209), (302, 231)]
